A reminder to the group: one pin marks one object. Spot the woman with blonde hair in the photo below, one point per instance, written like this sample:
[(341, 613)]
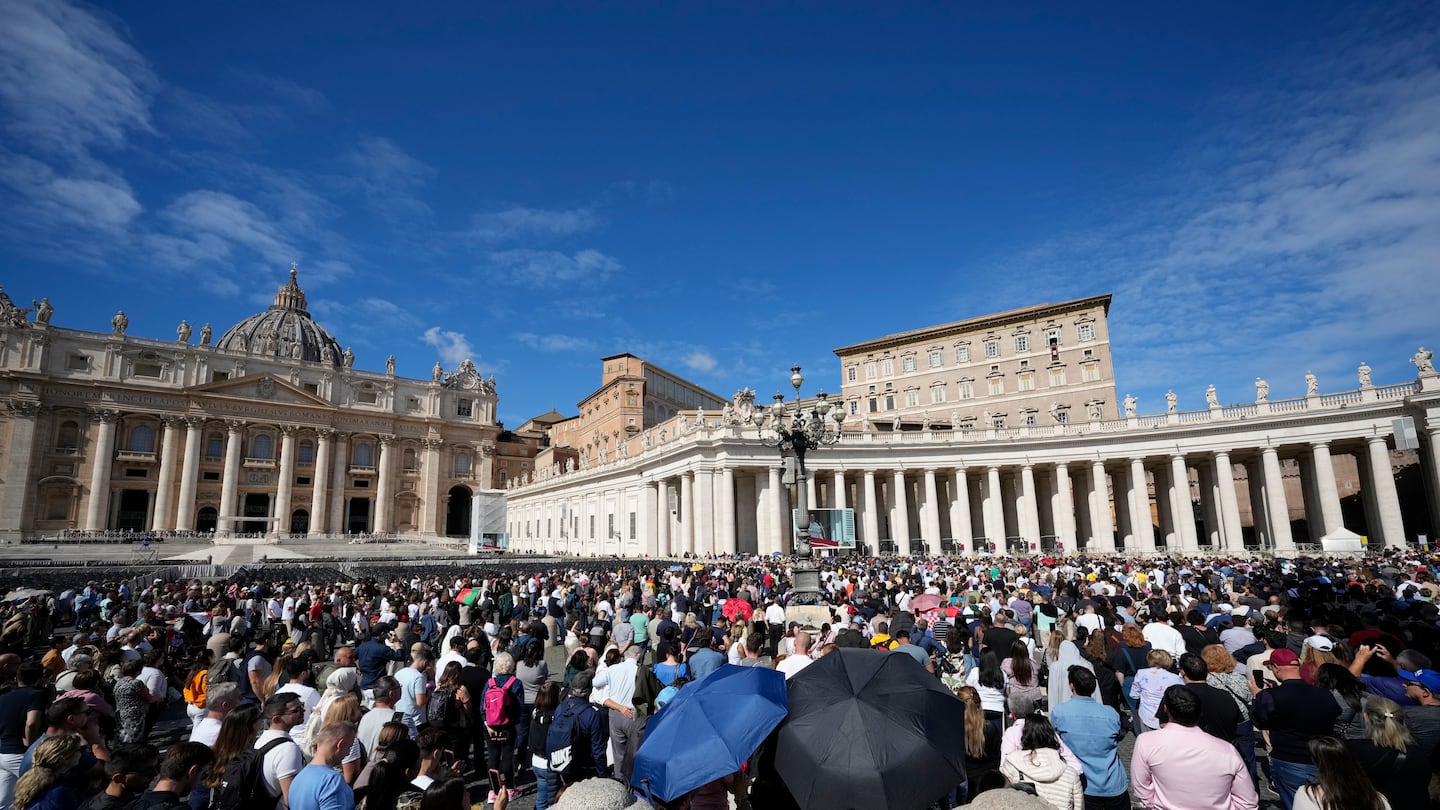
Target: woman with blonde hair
[(1399, 768), (346, 708), (1314, 654), (1150, 685), (47, 782), (982, 739), (278, 671)]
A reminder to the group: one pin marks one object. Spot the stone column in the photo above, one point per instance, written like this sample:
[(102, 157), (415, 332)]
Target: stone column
[(727, 541), (992, 511), (649, 517), (284, 490), (230, 482), (1387, 499), (1259, 517), (666, 518), (687, 512), (1181, 507), (18, 466), (341, 470), (1030, 514), (189, 474), (382, 486), (932, 513), (1325, 488), (704, 512), (1210, 507), (1102, 528), (1064, 508), (812, 498), (165, 485), (1231, 532), (320, 483), (839, 488), (872, 513), (102, 455), (1430, 458), (1140, 507), (960, 525), (779, 521), (900, 520), (1275, 504)]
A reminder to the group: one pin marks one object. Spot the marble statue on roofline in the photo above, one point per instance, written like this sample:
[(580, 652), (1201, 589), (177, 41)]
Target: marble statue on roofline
[(120, 323), (182, 332), (1423, 361), (1171, 401), (205, 334), (1211, 398), (1312, 384), (43, 310), (1262, 390), (1130, 404), (1364, 374)]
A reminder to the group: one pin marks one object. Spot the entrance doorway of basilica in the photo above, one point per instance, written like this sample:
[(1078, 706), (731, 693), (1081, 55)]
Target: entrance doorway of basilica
[(300, 521), (134, 509), (357, 517), (207, 519), (257, 505), (457, 513)]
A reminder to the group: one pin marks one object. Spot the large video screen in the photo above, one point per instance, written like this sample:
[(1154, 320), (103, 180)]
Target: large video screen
[(829, 528)]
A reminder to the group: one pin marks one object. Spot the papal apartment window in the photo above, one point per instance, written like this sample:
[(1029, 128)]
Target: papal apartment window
[(1085, 331), (870, 369), (852, 374), (464, 407), (151, 370), (1026, 382), (412, 403), (997, 386), (992, 348), (937, 394), (967, 389), (912, 398), (907, 363), (962, 354), (1091, 372), (262, 446), (887, 367), (936, 358), (1052, 337), (1022, 343)]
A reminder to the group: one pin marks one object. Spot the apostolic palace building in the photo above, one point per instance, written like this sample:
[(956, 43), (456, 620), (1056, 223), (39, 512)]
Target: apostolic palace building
[(1000, 432)]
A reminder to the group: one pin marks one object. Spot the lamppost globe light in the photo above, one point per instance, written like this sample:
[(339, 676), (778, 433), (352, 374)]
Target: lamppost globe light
[(796, 379)]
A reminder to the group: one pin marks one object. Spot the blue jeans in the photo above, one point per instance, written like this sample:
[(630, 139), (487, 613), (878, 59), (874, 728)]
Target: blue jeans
[(1288, 777), (1245, 744), (547, 785)]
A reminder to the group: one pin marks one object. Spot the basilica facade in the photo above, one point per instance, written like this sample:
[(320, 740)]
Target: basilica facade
[(269, 430)]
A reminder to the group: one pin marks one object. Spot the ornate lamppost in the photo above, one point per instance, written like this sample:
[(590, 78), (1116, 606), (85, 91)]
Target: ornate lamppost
[(807, 430)]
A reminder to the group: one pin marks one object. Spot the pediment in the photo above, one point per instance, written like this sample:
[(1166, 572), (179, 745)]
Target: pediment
[(260, 388)]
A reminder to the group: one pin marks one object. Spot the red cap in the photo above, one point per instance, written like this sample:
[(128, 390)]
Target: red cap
[(1284, 658)]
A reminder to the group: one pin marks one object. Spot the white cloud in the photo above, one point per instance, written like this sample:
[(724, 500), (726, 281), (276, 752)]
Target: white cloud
[(554, 343), (452, 346), (214, 223), (548, 267), (68, 78), (699, 361), (389, 176), (500, 226), (91, 203)]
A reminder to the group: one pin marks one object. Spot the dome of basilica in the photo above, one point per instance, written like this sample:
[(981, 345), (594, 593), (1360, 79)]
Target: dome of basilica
[(285, 331)]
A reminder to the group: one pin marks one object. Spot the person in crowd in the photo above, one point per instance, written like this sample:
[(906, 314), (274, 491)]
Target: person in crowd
[(1039, 762), (320, 785), (1341, 783), (625, 729), (1022, 677), (1397, 766), (21, 722), (1223, 672), (547, 784), (1093, 732), (532, 670), (1293, 712), (982, 740), (414, 680), (220, 700), (501, 737), (237, 733), (988, 680), (390, 734), (181, 772), (1062, 654), (50, 783), (127, 774), (1150, 685), (1219, 716), (1163, 767)]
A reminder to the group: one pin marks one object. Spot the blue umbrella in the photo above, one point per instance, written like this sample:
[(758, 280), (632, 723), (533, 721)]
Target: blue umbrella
[(709, 729)]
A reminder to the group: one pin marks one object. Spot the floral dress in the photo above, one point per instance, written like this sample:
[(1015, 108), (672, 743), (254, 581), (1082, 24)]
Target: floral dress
[(130, 709)]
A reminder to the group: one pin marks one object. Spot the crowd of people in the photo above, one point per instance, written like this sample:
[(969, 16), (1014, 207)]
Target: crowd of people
[(310, 690)]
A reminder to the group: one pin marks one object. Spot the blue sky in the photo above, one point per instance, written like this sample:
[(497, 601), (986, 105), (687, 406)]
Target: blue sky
[(730, 189)]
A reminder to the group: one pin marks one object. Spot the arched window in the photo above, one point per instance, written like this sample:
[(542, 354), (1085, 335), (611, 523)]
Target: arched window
[(307, 453), (263, 446), (142, 439), (214, 446), (69, 436), (462, 463), (364, 455)]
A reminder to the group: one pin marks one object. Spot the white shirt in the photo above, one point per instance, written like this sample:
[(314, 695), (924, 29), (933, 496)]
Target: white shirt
[(283, 762), (309, 698), (206, 731), (793, 664), (1164, 637), (774, 614), (154, 680)]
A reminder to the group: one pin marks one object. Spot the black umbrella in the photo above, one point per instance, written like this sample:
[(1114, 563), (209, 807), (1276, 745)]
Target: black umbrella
[(870, 729)]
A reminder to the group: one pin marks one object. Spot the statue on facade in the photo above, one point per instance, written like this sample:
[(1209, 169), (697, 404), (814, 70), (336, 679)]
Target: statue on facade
[(727, 415), (1096, 407), (955, 419), (272, 344), (297, 351), (924, 420), (1055, 412), (205, 334), (1422, 361), (1211, 398), (1130, 404), (390, 365), (895, 424), (1171, 401), (327, 354), (241, 344), (182, 332), (1364, 373), (569, 465), (437, 372), (43, 310), (1262, 390), (1312, 384), (744, 401), (348, 358), (120, 323)]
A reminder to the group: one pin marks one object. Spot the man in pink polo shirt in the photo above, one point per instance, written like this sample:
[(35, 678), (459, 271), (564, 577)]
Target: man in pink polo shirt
[(1180, 765)]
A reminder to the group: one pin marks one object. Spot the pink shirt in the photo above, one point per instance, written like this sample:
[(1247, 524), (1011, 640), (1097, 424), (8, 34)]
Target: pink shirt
[(1010, 743), (1164, 772)]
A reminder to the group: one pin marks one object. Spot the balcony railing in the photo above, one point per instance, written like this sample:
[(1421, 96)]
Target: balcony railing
[(134, 456), (260, 463)]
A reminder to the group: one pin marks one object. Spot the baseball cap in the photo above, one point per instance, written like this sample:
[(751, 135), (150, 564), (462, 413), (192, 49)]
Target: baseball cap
[(1428, 678), (858, 620), (1240, 610), (1283, 658), (1320, 643)]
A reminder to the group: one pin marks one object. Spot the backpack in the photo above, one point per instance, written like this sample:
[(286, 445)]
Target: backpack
[(499, 708), (195, 689), (224, 671), (442, 709), (886, 644), (242, 786), (561, 738), (647, 686)]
